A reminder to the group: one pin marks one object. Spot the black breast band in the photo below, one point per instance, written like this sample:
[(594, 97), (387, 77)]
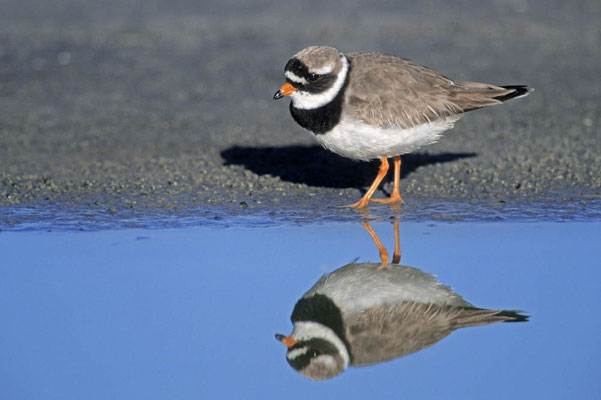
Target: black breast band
[(323, 119)]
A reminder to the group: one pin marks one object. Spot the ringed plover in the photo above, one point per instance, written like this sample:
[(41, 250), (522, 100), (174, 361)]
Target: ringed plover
[(370, 105), (368, 313)]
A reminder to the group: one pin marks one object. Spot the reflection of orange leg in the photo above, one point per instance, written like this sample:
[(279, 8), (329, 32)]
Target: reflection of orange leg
[(396, 257), (383, 253), (395, 197), (381, 174)]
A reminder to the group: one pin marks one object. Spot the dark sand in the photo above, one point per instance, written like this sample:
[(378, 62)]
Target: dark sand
[(165, 107)]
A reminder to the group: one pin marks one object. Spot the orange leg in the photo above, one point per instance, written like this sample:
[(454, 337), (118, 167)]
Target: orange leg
[(383, 253), (395, 197), (396, 257), (381, 174)]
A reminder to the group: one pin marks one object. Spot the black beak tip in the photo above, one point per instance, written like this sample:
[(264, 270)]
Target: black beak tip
[(278, 95), (277, 335)]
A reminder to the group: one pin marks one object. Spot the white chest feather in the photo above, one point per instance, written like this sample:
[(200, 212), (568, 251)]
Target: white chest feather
[(357, 140)]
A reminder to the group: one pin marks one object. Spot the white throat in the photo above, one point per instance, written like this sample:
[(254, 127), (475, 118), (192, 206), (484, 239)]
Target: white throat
[(306, 330), (308, 101)]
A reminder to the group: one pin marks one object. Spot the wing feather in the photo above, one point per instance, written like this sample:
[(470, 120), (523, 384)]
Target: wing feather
[(383, 333), (389, 91)]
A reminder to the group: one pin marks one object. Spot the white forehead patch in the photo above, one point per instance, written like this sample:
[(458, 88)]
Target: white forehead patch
[(295, 78), (292, 354)]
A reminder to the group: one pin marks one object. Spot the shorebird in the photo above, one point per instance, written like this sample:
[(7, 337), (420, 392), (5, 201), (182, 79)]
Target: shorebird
[(368, 313), (370, 105)]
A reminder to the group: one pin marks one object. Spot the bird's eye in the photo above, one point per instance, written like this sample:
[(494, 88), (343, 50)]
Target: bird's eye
[(313, 77), (315, 353)]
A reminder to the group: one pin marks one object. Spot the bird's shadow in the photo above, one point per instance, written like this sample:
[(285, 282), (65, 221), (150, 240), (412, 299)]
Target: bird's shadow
[(315, 166)]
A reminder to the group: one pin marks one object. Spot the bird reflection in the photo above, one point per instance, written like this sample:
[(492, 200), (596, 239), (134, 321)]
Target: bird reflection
[(368, 313)]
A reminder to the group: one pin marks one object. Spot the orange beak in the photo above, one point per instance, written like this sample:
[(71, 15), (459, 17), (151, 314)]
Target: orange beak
[(285, 90), (288, 341)]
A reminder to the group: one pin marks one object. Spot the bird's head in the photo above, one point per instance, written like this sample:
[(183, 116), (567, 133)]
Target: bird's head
[(314, 77), (315, 351)]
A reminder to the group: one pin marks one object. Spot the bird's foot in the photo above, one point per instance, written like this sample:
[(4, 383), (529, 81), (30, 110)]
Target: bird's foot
[(393, 199), (360, 204)]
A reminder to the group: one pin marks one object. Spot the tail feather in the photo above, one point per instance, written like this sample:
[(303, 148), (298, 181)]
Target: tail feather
[(512, 316), (518, 91), (469, 316), (470, 96)]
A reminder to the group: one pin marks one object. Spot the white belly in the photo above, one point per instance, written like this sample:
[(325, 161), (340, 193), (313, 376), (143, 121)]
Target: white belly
[(359, 141)]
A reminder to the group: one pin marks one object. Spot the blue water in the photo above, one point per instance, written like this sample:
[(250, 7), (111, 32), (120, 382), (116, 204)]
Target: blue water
[(191, 313)]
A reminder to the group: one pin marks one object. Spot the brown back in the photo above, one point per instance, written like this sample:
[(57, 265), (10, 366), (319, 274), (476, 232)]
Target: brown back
[(389, 91)]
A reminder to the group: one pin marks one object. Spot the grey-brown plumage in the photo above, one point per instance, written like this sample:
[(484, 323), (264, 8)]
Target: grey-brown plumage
[(385, 90), (384, 333)]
